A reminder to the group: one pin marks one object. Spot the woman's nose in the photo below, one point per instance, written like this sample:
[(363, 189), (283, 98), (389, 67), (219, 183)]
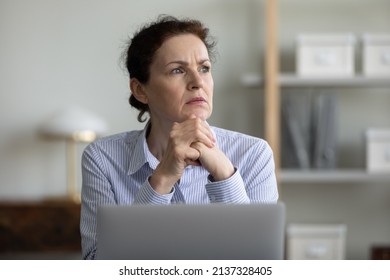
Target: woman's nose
[(195, 80)]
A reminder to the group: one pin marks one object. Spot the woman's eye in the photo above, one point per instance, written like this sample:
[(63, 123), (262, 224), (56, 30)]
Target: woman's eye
[(177, 71), (205, 69)]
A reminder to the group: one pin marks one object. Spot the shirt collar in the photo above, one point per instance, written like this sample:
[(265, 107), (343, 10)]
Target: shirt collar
[(141, 153)]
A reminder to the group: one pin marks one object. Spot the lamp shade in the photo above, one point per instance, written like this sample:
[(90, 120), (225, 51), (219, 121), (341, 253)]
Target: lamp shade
[(74, 123)]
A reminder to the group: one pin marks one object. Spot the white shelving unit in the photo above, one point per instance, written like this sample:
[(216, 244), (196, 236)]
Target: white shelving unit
[(291, 80), (276, 83), (328, 195), (253, 80), (331, 176)]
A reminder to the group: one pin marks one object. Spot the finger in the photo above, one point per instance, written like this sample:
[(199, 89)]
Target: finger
[(203, 133), (208, 131), (193, 163), (203, 125), (192, 130), (200, 148), (197, 146), (192, 154)]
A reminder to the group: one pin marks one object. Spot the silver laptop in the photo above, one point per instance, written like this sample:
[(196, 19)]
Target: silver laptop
[(188, 232)]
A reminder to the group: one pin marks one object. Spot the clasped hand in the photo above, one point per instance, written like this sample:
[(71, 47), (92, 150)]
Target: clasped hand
[(190, 143)]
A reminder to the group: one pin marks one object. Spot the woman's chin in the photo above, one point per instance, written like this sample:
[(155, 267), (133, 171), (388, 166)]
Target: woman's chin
[(200, 113), (203, 115)]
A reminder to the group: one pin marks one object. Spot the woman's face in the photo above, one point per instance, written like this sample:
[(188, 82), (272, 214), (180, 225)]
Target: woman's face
[(180, 83)]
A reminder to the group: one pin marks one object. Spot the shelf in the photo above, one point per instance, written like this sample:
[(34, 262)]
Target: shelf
[(254, 80), (331, 176)]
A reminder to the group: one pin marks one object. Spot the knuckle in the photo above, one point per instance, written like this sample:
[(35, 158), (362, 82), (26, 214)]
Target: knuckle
[(198, 134)]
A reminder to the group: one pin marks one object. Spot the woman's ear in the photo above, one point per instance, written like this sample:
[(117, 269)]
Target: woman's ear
[(137, 89)]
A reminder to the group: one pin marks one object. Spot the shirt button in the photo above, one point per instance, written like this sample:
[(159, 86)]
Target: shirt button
[(212, 197)]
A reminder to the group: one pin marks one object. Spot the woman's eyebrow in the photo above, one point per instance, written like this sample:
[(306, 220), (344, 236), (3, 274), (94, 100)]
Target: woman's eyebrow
[(182, 62)]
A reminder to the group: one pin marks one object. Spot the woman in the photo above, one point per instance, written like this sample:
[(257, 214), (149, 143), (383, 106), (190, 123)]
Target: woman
[(178, 157)]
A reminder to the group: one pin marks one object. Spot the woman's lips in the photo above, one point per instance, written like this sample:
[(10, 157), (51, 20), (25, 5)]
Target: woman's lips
[(196, 100)]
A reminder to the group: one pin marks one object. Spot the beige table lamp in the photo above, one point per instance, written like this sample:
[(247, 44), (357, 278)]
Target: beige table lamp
[(73, 124)]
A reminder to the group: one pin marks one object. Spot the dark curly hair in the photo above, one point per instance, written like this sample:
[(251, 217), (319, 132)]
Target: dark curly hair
[(148, 40)]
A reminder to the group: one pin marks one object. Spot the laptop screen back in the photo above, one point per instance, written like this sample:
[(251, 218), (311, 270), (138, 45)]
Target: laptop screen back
[(185, 232)]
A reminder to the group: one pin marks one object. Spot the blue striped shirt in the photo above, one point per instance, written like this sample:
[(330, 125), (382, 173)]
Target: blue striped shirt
[(116, 169)]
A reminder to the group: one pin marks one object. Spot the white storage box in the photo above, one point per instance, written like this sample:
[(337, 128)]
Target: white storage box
[(325, 55), (316, 241), (378, 150), (376, 55)]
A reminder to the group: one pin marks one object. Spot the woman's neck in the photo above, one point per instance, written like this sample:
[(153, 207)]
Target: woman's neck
[(157, 139)]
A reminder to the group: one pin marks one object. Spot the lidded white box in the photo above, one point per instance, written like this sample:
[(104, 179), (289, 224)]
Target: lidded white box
[(325, 54), (376, 55), (378, 150), (316, 241)]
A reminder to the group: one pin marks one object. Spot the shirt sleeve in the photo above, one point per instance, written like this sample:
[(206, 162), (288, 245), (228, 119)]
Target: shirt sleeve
[(230, 190), (96, 190), (253, 181), (147, 195), (259, 174)]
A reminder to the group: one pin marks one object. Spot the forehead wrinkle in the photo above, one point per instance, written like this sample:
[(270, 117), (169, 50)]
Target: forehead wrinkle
[(173, 49), (186, 63)]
